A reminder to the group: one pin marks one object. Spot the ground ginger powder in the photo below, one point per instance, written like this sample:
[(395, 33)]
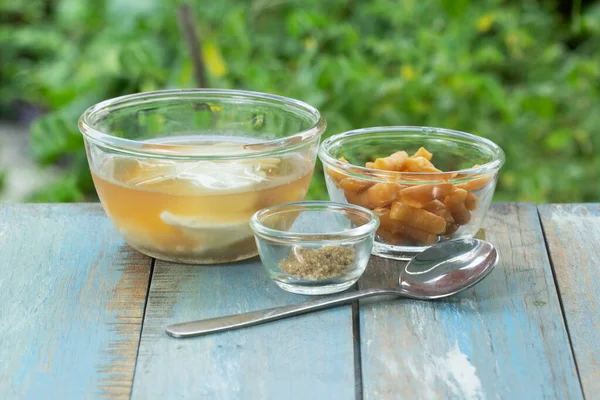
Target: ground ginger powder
[(322, 263)]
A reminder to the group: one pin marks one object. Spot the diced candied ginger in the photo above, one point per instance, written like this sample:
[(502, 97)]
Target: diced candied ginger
[(476, 184), (420, 195), (422, 152), (418, 218), (451, 228), (355, 185), (398, 231), (439, 208), (357, 198), (394, 162), (417, 213), (456, 204), (336, 175), (470, 202), (419, 164), (381, 194), (385, 221)]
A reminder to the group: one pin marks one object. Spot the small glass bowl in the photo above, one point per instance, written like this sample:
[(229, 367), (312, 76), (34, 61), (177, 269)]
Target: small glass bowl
[(469, 167), (314, 247)]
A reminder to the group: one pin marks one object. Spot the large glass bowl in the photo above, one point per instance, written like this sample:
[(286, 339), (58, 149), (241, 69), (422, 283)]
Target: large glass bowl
[(416, 209), (180, 172)]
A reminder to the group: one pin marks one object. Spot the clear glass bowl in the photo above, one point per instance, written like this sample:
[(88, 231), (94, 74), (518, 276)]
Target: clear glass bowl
[(314, 247), (180, 172), (416, 209)]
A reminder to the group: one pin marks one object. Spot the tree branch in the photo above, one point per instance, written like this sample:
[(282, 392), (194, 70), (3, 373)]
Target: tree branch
[(187, 25)]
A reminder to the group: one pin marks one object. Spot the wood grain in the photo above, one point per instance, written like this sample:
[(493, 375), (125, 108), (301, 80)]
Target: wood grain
[(305, 357), (72, 296), (503, 339), (573, 236)]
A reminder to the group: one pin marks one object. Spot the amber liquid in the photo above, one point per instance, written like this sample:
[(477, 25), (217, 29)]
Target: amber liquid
[(171, 216)]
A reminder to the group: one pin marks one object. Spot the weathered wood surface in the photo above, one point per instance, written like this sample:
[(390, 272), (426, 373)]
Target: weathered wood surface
[(573, 236), (503, 339), (72, 297), (306, 357)]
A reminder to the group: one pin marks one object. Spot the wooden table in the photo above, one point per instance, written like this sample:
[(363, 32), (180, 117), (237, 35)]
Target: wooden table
[(82, 316)]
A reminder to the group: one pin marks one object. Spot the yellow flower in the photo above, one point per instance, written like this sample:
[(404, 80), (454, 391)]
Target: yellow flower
[(408, 72), (509, 179), (456, 82), (215, 65), (515, 44), (485, 22), (419, 106), (310, 44)]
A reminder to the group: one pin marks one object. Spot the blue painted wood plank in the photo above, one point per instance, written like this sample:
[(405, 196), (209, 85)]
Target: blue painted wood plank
[(72, 296), (503, 339), (573, 235), (305, 357)]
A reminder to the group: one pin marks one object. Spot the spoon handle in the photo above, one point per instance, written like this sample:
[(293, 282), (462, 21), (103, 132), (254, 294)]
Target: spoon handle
[(236, 321)]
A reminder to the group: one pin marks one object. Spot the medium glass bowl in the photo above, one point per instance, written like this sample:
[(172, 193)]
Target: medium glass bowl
[(180, 172), (469, 163), (314, 247)]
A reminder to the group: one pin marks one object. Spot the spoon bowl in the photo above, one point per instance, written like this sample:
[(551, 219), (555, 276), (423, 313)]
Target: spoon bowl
[(448, 268), (440, 271)]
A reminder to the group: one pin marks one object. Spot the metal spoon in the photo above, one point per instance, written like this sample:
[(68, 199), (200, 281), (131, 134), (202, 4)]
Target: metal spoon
[(440, 271)]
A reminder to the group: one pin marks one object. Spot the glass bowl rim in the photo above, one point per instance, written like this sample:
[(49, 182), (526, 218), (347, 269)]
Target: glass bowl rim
[(369, 173), (255, 150), (354, 233)]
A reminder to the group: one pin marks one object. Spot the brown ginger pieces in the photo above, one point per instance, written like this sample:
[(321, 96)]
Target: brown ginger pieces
[(456, 204), (420, 164), (395, 231), (382, 194), (395, 162), (417, 218), (419, 195), (413, 214), (378, 195)]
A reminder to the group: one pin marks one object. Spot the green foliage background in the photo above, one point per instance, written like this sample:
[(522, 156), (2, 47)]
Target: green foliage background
[(517, 72)]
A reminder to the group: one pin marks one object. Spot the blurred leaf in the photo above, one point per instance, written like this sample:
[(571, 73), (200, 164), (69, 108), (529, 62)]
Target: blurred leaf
[(558, 140), (54, 136), (455, 8), (62, 191), (126, 11), (3, 176), (27, 10), (215, 64), (541, 105), (80, 16)]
